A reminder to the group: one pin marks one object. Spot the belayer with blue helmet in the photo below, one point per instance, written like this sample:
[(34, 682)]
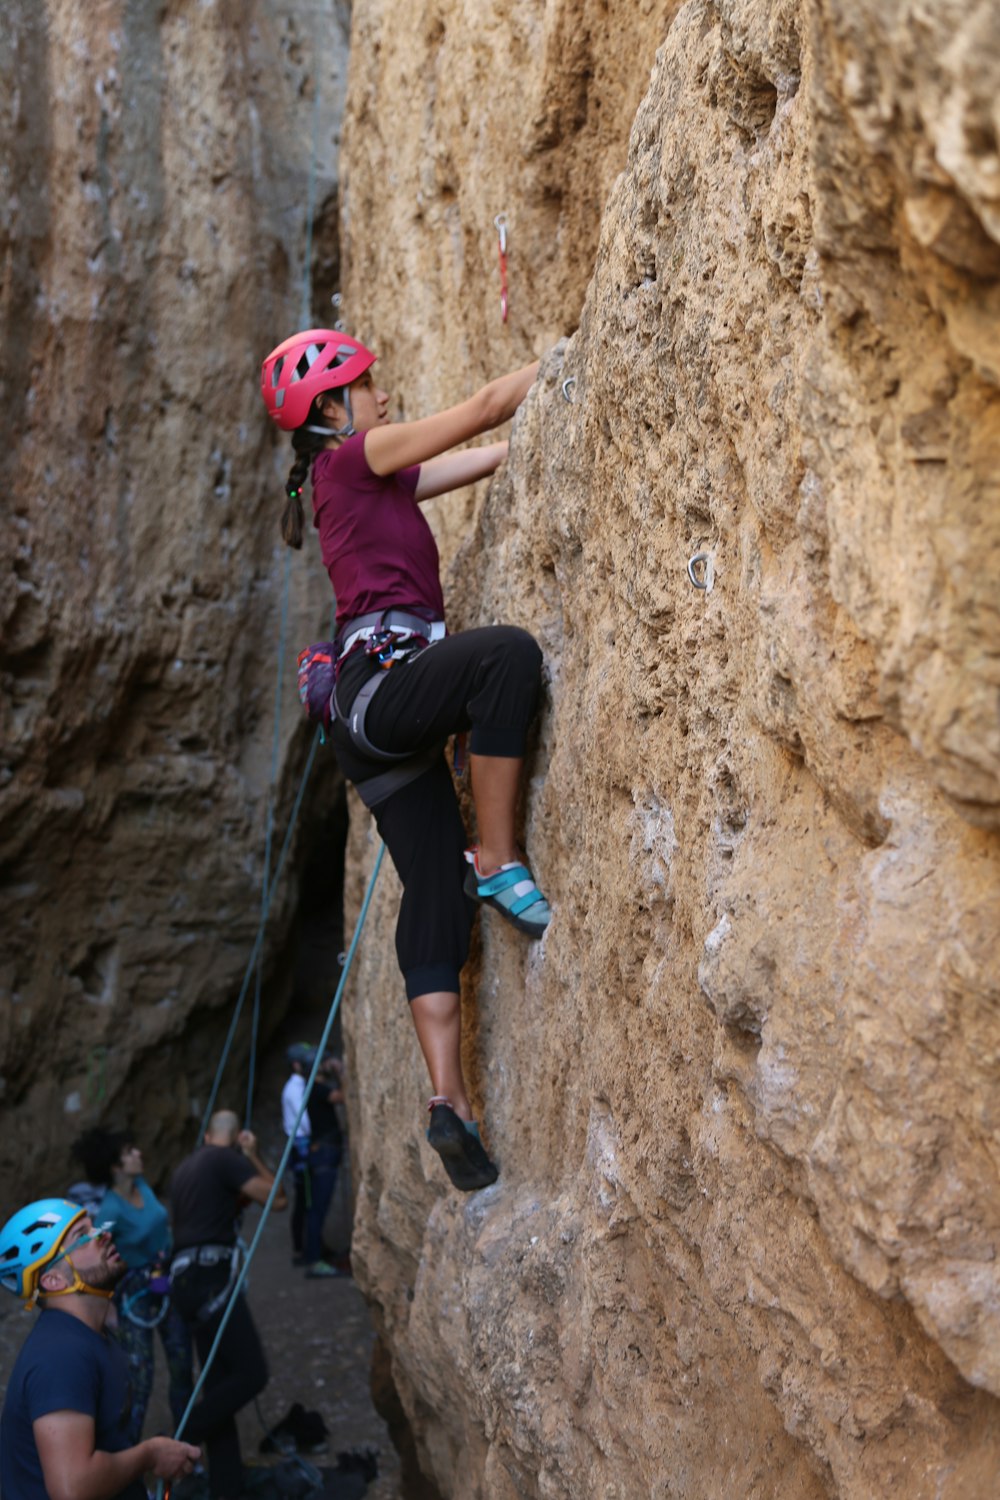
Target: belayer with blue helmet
[(140, 1227), (63, 1427), (369, 477)]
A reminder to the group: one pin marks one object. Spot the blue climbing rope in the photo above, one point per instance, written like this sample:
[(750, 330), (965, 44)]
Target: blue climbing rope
[(268, 885), (258, 941), (306, 320), (282, 1165), (255, 965), (265, 884)]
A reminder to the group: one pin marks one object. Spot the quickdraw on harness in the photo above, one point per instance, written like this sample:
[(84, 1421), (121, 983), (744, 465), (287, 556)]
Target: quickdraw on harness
[(501, 227), (391, 637)]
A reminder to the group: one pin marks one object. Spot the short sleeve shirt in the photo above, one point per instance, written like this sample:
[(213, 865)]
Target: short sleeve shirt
[(323, 1115), (63, 1366), (140, 1234), (291, 1097), (377, 546), (206, 1196)]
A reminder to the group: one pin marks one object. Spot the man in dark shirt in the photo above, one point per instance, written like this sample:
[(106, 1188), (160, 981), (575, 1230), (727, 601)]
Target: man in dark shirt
[(209, 1191), (63, 1432), (325, 1152)]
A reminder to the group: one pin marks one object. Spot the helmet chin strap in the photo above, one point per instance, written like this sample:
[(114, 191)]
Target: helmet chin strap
[(338, 432), (79, 1285)]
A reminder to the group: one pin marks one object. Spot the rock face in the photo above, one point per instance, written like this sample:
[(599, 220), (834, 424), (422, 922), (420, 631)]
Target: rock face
[(745, 1092), (156, 183)]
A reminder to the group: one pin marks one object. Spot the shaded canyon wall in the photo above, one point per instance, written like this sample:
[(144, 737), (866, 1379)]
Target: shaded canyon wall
[(745, 1092), (156, 174)]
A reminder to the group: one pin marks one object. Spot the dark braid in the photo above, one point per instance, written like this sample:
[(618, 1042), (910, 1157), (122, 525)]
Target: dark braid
[(306, 446)]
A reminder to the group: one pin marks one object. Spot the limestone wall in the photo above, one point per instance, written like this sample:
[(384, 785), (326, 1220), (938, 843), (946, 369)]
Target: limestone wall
[(745, 1092)]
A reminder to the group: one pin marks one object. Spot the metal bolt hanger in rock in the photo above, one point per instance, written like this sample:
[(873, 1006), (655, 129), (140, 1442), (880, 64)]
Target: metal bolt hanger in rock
[(701, 571)]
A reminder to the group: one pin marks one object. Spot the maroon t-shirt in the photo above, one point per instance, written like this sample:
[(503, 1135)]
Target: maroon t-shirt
[(377, 547)]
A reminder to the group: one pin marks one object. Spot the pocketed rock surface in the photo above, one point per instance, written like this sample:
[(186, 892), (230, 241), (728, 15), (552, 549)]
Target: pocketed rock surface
[(745, 1092)]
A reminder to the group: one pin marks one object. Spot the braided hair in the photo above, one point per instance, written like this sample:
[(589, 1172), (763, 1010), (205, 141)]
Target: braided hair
[(308, 441)]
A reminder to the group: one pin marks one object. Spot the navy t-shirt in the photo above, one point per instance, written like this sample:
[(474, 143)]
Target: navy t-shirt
[(63, 1366)]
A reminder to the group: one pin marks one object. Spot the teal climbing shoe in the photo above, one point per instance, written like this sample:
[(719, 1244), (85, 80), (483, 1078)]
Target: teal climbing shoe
[(460, 1150), (512, 892)]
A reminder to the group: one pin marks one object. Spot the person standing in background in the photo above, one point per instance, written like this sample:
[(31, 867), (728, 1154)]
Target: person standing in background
[(326, 1149), (209, 1191), (140, 1227), (295, 1122)]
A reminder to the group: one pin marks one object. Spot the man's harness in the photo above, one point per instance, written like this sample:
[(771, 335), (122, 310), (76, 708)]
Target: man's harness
[(210, 1255)]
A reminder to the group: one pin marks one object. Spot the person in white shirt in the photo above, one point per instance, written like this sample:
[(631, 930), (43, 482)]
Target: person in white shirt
[(300, 1056)]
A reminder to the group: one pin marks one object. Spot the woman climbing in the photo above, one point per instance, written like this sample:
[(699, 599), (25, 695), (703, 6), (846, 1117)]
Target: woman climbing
[(369, 475), (141, 1232)]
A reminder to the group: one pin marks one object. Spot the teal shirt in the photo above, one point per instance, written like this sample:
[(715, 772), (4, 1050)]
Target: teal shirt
[(140, 1234)]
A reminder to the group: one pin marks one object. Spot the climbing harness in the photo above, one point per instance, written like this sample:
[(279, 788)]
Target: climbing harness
[(501, 227), (567, 386), (391, 637), (701, 571), (398, 620), (211, 1255), (155, 1286)]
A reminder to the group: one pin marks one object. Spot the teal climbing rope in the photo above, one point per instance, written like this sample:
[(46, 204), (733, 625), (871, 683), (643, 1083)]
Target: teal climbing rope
[(238, 1008), (306, 320), (265, 884), (283, 1163), (268, 885)]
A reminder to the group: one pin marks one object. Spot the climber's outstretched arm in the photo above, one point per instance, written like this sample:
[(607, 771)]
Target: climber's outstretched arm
[(397, 445), (452, 470)]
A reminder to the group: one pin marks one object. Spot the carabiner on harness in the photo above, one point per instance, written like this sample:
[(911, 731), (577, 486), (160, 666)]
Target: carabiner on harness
[(381, 646), (155, 1318)]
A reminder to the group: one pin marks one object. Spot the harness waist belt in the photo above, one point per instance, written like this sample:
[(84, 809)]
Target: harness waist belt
[(210, 1255), (201, 1255), (399, 620)]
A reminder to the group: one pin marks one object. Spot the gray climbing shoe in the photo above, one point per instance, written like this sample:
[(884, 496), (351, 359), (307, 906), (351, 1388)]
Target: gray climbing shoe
[(461, 1151)]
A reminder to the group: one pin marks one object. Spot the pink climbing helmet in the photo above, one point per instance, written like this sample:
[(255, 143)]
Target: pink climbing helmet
[(300, 369)]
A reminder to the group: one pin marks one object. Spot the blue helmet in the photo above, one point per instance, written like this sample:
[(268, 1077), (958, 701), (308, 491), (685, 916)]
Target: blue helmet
[(30, 1239)]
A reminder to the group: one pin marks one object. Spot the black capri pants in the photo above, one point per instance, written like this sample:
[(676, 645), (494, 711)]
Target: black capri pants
[(484, 682)]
